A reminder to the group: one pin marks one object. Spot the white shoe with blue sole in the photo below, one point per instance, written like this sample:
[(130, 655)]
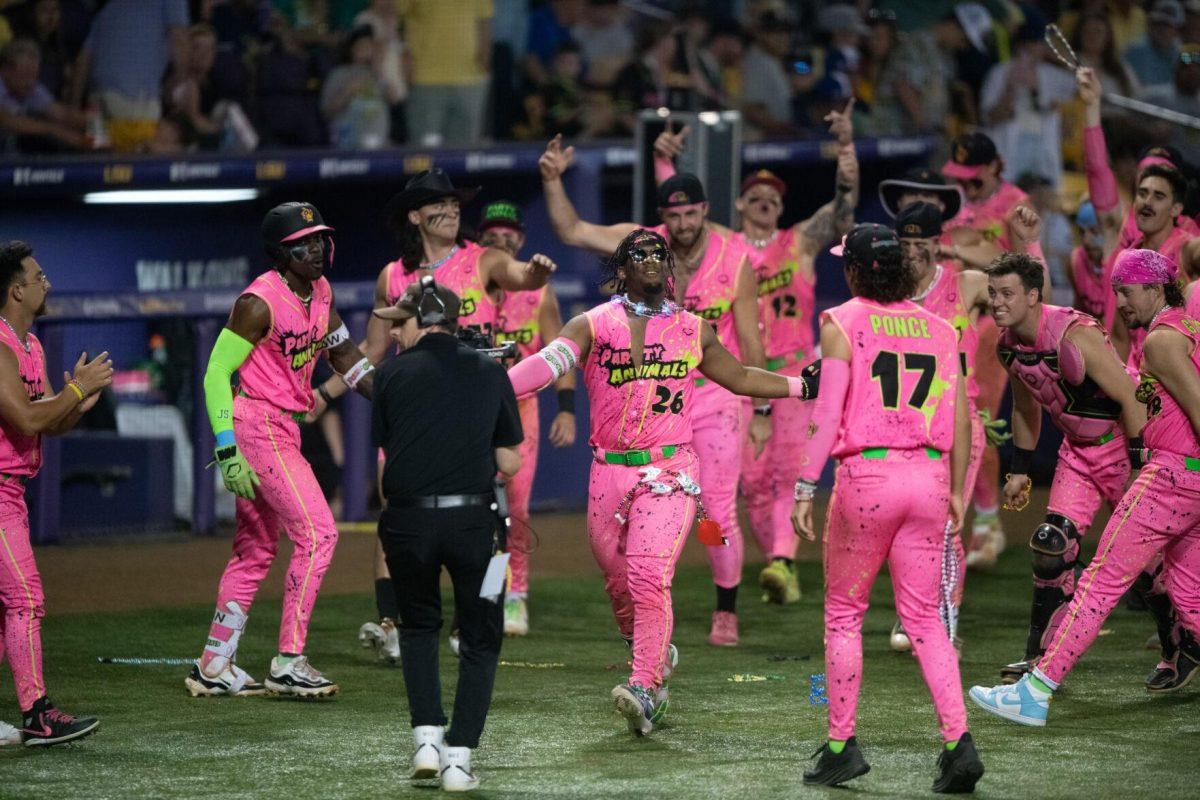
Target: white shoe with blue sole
[(1018, 702)]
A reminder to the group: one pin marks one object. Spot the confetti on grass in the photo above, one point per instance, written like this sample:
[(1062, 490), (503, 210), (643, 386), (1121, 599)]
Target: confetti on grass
[(147, 662)]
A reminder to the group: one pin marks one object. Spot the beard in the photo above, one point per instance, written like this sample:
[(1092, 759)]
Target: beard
[(41, 310)]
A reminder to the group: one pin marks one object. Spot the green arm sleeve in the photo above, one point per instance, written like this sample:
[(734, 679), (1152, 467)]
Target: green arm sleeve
[(228, 354)]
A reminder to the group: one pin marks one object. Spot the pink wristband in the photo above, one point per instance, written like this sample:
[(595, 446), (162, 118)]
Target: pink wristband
[(826, 418), (664, 168), (544, 367)]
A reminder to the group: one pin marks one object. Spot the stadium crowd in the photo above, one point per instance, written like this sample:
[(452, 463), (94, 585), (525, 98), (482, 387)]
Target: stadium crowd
[(169, 76)]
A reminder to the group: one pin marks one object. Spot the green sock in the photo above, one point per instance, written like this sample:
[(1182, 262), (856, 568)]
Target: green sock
[(836, 746), (1040, 685), (952, 745), (285, 658)]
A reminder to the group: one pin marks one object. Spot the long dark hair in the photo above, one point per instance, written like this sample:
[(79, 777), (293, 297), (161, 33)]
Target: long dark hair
[(412, 248), (886, 280), (610, 266)]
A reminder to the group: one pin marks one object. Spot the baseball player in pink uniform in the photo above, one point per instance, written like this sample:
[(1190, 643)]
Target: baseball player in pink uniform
[(529, 320), (640, 352), (1086, 270), (29, 409), (716, 281), (278, 328), (427, 218), (784, 263), (1161, 510), (893, 410), (1061, 361)]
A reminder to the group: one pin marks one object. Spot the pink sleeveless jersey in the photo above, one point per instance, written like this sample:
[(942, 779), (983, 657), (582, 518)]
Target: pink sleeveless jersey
[(1167, 426), (517, 321), (903, 370), (1076, 405), (633, 409), (945, 299), (786, 297), (1091, 289), (21, 454), (711, 291), (989, 216), (461, 274), (1131, 234), (279, 368)]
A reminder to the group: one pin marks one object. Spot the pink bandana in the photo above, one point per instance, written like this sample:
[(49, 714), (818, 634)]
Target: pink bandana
[(1142, 267)]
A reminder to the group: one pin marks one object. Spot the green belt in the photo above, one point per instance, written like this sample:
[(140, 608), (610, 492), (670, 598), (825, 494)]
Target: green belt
[(637, 458), (701, 381), (1190, 463), (776, 364), (880, 453), (1106, 438)]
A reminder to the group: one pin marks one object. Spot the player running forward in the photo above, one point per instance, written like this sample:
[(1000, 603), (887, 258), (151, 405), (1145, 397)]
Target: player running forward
[(277, 329), (528, 319), (714, 280), (28, 410), (784, 261), (1161, 510), (640, 352), (1061, 361), (893, 411)]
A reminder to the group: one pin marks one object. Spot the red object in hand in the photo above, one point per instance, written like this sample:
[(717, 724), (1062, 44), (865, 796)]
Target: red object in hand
[(710, 534)]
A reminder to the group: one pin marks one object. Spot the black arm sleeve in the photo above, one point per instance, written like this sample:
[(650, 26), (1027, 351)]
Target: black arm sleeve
[(508, 421)]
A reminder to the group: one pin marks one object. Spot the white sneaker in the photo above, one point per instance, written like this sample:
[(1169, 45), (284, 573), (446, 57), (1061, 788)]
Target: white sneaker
[(232, 680), (516, 617), (9, 734), (371, 635), (298, 678), (899, 640), (427, 760), (389, 651), (454, 640), (986, 545), (456, 770)]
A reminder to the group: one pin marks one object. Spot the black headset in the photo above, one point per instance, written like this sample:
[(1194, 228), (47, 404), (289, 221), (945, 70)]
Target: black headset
[(433, 316)]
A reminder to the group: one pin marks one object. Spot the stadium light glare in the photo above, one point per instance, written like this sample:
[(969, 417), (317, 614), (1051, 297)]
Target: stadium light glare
[(175, 196)]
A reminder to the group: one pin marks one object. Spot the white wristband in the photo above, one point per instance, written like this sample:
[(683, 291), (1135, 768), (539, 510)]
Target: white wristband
[(358, 372), (559, 357), (334, 338), (805, 490)]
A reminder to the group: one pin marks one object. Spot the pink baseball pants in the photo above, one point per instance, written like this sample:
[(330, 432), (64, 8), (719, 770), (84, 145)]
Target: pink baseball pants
[(719, 425), (520, 487), (21, 598)]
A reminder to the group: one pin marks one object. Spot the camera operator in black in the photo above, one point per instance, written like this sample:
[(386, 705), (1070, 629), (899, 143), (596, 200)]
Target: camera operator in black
[(447, 419)]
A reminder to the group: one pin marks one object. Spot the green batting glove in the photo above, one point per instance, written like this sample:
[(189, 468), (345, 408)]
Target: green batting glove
[(240, 478), (994, 429)]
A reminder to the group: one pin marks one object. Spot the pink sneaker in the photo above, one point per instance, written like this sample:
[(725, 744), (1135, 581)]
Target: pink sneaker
[(724, 631)]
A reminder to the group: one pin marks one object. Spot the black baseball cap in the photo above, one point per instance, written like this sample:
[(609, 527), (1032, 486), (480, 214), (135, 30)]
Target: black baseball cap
[(290, 221), (866, 243), (925, 181), (406, 306), (919, 221), (969, 155), (500, 214), (682, 189)]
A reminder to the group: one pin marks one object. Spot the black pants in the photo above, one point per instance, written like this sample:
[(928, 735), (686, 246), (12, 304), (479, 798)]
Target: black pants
[(417, 543)]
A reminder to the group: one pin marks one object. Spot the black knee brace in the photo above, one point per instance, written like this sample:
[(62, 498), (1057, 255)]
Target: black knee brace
[(1055, 546)]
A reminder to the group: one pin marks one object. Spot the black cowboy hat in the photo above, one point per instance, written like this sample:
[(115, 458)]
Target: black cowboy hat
[(424, 188), (919, 180)]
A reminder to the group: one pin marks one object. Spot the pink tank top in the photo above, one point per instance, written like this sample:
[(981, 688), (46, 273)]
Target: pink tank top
[(1091, 290), (903, 370), (786, 296), (1167, 426), (989, 216), (461, 274), (712, 289), (517, 321), (636, 409), (279, 368), (21, 454), (1080, 410), (1131, 234), (945, 299)]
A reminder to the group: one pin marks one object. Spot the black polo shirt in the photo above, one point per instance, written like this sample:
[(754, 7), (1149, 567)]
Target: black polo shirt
[(440, 409)]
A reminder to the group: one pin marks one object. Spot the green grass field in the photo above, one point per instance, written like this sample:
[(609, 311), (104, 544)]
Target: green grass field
[(553, 731)]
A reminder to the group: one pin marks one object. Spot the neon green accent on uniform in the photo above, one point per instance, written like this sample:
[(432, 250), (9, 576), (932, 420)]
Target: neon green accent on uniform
[(229, 353), (952, 745), (836, 746), (1040, 685)]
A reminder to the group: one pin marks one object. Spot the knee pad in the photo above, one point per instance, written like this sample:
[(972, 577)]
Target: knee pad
[(1055, 546)]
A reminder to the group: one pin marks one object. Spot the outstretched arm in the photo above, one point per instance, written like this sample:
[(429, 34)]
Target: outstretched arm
[(499, 269), (566, 222), (554, 360), (1102, 183), (719, 365), (834, 219)]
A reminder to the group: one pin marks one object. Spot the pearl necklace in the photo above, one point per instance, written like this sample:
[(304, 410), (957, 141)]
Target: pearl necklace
[(640, 309), (1153, 320), (759, 244), (24, 341), (441, 260)]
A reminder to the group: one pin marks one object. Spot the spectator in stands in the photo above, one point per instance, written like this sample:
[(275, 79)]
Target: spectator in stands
[(241, 25), (1094, 44), (1183, 95), (719, 73), (451, 44), (41, 21), (1020, 105), (393, 61), (192, 100), (31, 120), (843, 55), (353, 99), (927, 63), (605, 39), (286, 75), (1153, 61), (1191, 21), (123, 62), (767, 82), (643, 82), (879, 85), (549, 26), (319, 23)]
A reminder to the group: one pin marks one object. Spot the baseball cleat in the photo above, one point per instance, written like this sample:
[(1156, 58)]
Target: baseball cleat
[(1011, 673), (455, 641), (427, 760), (9, 734), (1173, 676), (1019, 702), (516, 617), (834, 769), (958, 769), (44, 725), (371, 635), (986, 545), (232, 681), (1152, 642), (724, 631), (779, 583), (298, 678), (389, 651), (456, 772), (899, 640), (637, 706)]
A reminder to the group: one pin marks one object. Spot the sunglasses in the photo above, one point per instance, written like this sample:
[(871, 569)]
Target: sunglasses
[(658, 254), (1189, 58)]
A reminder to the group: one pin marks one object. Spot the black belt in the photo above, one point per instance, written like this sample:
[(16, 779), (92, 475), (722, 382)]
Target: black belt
[(441, 501)]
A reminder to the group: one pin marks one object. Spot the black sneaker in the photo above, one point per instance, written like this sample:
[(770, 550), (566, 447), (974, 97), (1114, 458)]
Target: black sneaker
[(1011, 673), (1174, 676), (45, 725), (833, 769), (960, 769)]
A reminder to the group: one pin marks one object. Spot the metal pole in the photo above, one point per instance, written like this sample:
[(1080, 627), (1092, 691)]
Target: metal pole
[(204, 513), (356, 432)]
